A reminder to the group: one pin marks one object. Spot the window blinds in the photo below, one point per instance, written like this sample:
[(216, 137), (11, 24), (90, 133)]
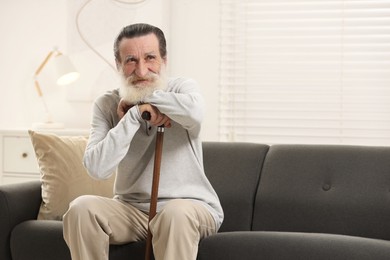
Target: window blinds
[(310, 71)]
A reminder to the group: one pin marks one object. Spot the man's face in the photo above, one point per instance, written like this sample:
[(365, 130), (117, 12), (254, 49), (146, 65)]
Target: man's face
[(142, 68), (140, 59)]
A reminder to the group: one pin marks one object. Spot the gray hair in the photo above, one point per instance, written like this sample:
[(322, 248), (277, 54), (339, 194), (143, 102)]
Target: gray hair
[(141, 29)]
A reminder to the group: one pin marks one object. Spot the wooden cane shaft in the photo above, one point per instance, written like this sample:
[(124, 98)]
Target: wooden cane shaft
[(155, 183), (156, 175)]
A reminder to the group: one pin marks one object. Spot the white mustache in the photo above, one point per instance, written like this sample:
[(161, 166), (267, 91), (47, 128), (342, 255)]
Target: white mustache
[(133, 78)]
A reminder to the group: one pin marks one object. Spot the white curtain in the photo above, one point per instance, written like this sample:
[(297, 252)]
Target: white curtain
[(309, 71)]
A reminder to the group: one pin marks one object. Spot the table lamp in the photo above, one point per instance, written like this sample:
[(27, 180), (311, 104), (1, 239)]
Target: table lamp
[(65, 74)]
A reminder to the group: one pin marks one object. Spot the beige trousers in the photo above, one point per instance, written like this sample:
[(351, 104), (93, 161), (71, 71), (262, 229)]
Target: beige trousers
[(92, 223)]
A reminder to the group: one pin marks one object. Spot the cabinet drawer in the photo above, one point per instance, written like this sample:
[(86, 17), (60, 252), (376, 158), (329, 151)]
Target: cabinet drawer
[(19, 155)]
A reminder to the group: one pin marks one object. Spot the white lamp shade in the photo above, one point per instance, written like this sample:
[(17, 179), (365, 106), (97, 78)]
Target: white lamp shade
[(66, 72)]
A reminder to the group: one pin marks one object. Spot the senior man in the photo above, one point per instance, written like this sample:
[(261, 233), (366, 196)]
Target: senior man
[(188, 208)]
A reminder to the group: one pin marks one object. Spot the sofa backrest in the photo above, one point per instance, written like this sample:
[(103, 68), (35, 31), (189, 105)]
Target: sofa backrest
[(234, 170), (337, 189)]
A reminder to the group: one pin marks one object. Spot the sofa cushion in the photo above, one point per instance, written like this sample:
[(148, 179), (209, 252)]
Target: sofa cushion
[(38, 239), (337, 189), (43, 240), (234, 171), (288, 245), (63, 175)]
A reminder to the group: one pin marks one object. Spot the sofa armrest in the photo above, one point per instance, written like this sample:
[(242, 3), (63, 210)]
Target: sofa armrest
[(18, 202)]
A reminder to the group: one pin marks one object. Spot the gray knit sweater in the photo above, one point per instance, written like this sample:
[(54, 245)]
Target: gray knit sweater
[(127, 146)]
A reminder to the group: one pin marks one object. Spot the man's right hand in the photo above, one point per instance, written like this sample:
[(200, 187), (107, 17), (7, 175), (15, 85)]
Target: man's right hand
[(122, 108), (156, 117)]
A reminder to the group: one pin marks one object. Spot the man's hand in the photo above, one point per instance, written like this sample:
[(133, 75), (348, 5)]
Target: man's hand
[(156, 117), (122, 108)]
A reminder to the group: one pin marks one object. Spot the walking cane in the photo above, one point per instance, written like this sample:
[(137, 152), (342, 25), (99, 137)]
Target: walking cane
[(155, 183)]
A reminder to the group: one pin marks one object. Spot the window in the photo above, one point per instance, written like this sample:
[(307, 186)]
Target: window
[(310, 71)]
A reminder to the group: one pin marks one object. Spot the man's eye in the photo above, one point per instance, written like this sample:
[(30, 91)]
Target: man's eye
[(150, 57), (130, 59)]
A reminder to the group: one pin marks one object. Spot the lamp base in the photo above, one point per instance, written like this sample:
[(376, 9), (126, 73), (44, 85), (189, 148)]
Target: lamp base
[(48, 125)]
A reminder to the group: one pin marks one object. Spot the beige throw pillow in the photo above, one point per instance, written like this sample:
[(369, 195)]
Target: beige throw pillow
[(63, 175)]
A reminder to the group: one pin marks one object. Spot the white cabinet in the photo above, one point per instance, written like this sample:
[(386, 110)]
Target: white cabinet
[(17, 157)]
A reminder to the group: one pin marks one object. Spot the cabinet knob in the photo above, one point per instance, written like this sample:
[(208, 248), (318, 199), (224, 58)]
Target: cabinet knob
[(24, 155)]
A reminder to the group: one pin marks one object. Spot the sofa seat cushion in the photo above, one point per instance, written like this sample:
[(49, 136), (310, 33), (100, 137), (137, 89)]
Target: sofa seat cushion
[(43, 240), (39, 239), (268, 245)]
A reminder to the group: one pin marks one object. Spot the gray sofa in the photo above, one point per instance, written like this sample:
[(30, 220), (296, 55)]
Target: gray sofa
[(280, 202)]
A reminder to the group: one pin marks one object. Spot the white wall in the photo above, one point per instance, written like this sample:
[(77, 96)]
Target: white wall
[(30, 29), (194, 52)]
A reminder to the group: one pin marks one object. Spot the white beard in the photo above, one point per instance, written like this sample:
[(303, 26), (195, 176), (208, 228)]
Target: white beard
[(134, 94)]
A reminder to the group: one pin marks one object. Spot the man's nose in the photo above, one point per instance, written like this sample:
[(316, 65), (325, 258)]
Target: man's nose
[(142, 69)]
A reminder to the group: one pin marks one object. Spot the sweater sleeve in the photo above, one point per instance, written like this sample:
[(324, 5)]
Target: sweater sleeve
[(109, 139), (182, 103)]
